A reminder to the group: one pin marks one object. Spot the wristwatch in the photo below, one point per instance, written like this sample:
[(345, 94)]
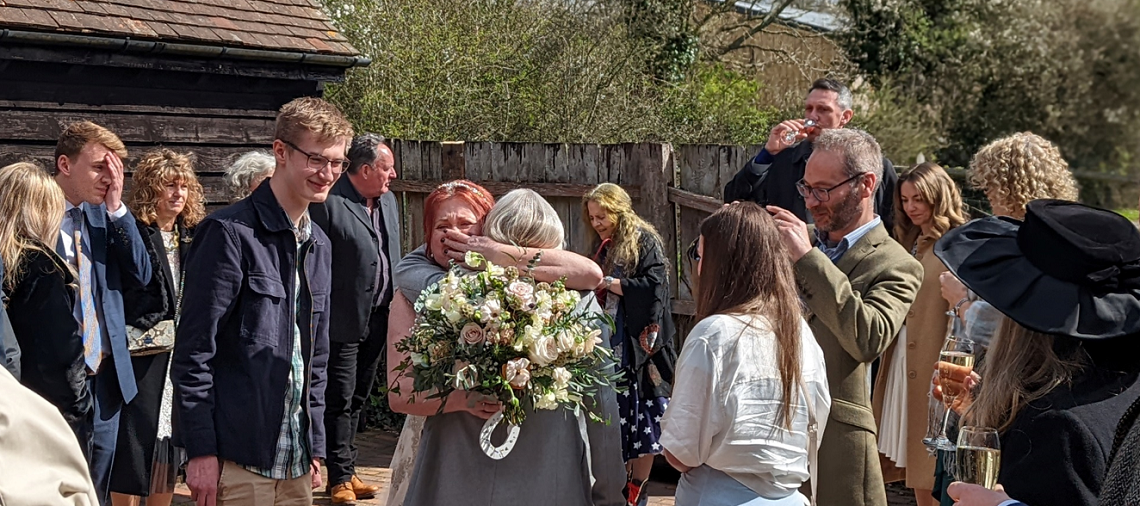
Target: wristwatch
[(607, 281)]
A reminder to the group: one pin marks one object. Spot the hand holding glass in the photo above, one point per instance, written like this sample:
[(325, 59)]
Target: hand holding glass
[(956, 360), (790, 135), (978, 458)]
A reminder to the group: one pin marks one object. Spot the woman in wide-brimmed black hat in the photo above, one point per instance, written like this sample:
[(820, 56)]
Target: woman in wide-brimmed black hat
[(1064, 367)]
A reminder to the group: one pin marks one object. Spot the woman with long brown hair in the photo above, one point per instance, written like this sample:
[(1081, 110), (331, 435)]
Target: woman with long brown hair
[(750, 375), (927, 205), (168, 201)]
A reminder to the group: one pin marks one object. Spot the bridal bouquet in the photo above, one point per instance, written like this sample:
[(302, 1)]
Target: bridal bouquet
[(500, 333)]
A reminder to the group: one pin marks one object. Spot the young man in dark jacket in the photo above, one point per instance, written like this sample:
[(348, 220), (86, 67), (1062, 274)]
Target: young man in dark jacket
[(252, 345)]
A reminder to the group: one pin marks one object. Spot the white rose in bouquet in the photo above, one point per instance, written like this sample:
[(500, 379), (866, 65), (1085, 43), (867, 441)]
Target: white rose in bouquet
[(543, 351), (561, 378), (522, 292), (565, 341)]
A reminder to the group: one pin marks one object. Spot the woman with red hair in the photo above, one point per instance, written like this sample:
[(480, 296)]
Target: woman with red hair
[(453, 225)]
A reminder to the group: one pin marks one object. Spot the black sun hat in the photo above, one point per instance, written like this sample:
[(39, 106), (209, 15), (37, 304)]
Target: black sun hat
[(1067, 269)]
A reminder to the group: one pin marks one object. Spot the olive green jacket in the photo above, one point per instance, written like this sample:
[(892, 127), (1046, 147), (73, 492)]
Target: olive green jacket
[(857, 307)]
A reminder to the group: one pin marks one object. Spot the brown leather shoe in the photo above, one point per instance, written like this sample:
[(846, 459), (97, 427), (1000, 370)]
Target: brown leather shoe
[(343, 494), (363, 490)]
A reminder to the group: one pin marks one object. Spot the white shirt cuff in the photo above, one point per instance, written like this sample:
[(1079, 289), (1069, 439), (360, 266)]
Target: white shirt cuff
[(1010, 502), (120, 213)]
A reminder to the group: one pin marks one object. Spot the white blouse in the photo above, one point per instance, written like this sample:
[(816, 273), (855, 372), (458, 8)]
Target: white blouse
[(726, 398)]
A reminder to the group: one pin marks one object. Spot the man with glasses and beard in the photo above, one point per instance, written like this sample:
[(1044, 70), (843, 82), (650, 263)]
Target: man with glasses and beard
[(858, 285)]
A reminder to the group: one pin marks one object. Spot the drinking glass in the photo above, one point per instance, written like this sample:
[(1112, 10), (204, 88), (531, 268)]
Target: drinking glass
[(790, 135), (955, 360), (978, 456), (936, 410)]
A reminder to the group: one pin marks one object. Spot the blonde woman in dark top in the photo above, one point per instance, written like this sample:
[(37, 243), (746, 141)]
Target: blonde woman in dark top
[(40, 289), (635, 292)]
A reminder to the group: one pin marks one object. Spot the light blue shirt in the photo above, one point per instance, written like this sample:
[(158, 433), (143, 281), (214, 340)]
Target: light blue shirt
[(836, 252)]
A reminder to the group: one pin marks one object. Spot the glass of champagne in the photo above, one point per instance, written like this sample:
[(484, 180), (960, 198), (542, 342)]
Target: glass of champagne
[(955, 361), (790, 135), (978, 456)]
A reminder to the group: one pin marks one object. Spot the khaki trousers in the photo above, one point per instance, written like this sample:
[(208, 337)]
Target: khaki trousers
[(240, 487)]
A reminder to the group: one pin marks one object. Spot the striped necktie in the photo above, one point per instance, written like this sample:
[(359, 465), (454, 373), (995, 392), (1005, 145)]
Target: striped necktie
[(89, 322)]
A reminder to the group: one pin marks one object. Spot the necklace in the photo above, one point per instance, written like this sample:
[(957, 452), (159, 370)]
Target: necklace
[(170, 240)]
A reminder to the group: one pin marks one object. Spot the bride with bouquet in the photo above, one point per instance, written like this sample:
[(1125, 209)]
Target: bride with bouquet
[(513, 379)]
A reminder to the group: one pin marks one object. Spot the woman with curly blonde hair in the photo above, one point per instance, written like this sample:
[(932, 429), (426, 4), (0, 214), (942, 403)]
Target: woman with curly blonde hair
[(1015, 170), (927, 205), (635, 292), (168, 201), (1012, 171)]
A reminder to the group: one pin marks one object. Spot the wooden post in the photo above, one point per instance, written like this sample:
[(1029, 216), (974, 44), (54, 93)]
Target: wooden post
[(454, 161), (653, 165)]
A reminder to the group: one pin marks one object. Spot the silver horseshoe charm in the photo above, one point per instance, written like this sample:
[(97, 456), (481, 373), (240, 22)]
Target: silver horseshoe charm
[(497, 452)]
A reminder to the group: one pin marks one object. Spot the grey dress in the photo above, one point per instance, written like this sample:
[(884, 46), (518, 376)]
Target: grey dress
[(548, 465)]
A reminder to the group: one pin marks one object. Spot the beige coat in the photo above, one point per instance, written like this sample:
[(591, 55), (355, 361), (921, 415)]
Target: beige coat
[(40, 459), (926, 327), (857, 307)]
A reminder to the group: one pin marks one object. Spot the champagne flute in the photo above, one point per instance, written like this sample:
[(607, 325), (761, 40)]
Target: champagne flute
[(978, 456), (935, 413), (956, 359), (790, 135)]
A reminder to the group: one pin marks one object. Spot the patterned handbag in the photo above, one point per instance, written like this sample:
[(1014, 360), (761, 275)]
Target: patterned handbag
[(160, 337)]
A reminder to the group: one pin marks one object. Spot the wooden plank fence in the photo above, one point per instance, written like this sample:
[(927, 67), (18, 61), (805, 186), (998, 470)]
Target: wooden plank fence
[(673, 187)]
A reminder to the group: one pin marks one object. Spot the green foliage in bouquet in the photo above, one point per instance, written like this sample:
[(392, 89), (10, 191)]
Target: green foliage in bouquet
[(498, 332)]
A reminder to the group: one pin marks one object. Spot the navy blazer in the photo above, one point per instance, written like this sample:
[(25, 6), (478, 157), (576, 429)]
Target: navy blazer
[(234, 345), (354, 249), (117, 250)]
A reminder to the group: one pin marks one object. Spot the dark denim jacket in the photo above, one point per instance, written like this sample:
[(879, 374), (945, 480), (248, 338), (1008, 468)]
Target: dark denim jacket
[(235, 337)]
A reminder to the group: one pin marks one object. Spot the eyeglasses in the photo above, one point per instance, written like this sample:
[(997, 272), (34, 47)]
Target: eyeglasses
[(318, 162), (821, 194), (693, 251)]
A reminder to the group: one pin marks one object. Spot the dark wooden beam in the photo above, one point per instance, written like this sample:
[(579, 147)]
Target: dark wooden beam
[(98, 58), (29, 125)]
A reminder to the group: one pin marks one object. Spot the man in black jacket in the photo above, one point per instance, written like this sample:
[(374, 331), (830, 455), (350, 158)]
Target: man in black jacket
[(770, 178), (252, 345), (362, 221)]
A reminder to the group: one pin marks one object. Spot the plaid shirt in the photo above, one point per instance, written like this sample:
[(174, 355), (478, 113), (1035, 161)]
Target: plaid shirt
[(292, 458)]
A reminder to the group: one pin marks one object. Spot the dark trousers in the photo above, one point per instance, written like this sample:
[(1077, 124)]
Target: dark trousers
[(99, 439), (351, 373)]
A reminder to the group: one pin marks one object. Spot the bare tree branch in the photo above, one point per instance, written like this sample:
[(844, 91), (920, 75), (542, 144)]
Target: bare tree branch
[(771, 17)]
